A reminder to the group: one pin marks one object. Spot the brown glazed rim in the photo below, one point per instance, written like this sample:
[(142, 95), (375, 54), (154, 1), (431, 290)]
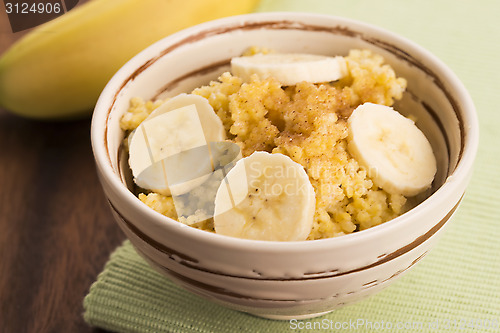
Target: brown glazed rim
[(192, 263)]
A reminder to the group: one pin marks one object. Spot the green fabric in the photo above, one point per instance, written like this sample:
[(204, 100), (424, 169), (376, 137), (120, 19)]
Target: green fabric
[(455, 288)]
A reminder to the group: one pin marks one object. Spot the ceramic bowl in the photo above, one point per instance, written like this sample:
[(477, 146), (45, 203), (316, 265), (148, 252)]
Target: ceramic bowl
[(285, 280)]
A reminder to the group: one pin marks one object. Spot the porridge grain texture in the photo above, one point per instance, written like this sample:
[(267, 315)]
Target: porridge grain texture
[(308, 123)]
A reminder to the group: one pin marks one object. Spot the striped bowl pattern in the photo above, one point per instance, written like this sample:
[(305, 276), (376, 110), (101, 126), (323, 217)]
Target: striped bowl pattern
[(293, 279)]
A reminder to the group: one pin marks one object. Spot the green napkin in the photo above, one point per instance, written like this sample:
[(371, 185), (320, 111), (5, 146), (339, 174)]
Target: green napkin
[(455, 288)]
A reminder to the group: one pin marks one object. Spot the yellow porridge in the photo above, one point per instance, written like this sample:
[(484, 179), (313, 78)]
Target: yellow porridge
[(308, 122)]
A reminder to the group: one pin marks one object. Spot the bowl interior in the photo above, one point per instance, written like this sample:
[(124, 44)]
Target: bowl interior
[(192, 60)]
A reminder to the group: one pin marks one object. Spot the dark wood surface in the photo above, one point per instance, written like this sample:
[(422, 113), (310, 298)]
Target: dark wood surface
[(56, 230)]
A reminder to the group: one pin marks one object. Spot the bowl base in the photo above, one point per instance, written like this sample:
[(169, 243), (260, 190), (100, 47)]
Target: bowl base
[(289, 317)]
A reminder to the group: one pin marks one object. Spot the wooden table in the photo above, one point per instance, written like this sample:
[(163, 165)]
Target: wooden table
[(56, 230)]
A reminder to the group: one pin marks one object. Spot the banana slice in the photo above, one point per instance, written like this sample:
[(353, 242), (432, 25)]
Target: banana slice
[(168, 152), (265, 197), (290, 68), (396, 154)]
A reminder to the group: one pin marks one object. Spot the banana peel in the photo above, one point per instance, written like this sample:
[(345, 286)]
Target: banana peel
[(58, 70)]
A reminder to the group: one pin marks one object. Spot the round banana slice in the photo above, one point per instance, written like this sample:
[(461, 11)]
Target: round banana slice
[(397, 155), (265, 197), (290, 68), (169, 150)]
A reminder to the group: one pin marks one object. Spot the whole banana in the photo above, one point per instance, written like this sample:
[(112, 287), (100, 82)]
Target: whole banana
[(59, 69)]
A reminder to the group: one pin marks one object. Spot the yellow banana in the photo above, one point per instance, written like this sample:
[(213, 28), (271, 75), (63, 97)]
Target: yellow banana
[(59, 69)]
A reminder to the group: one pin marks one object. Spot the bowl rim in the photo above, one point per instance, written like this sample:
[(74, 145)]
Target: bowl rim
[(147, 56)]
